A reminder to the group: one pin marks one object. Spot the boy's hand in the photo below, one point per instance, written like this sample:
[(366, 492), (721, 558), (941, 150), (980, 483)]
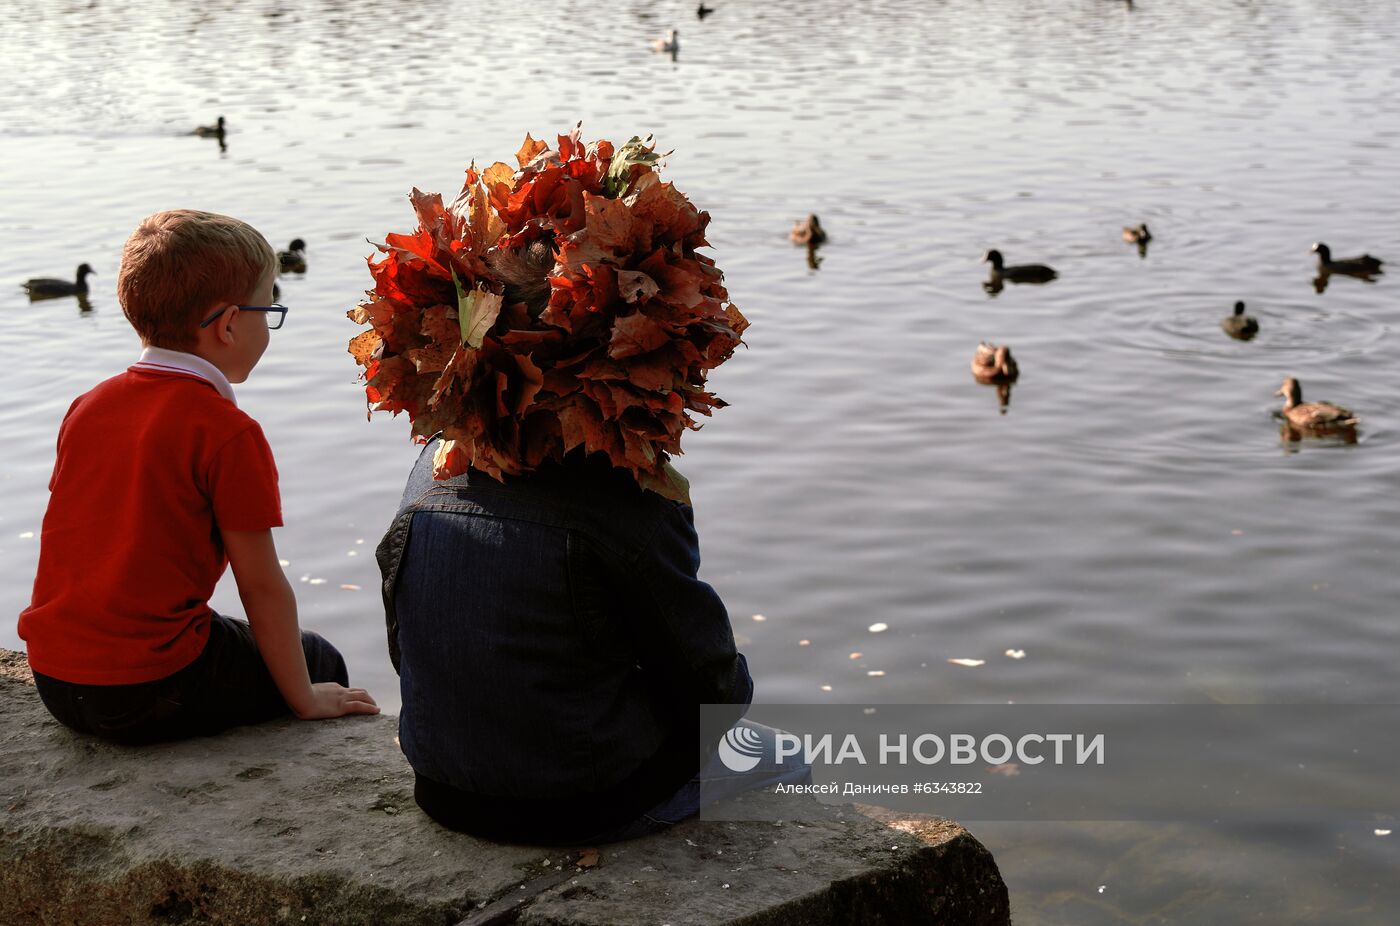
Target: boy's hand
[(272, 612), (330, 699)]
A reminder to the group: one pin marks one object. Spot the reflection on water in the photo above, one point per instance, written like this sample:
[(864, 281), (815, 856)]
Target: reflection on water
[(1003, 391), (1138, 528), (1323, 278), (1292, 434)]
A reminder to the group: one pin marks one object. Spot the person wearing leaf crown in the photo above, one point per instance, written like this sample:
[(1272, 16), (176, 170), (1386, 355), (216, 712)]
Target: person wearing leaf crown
[(548, 333)]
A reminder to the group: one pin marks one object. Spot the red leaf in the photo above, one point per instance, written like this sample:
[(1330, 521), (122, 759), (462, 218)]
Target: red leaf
[(635, 334)]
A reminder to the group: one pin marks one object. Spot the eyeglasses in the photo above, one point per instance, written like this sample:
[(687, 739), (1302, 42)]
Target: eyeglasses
[(276, 314)]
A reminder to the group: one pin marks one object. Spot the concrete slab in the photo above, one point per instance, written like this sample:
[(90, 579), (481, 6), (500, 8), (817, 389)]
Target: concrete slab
[(293, 822)]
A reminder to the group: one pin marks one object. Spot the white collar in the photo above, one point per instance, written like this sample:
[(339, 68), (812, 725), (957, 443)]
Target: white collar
[(160, 360)]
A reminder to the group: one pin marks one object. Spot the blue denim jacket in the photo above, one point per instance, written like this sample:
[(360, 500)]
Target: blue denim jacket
[(553, 644)]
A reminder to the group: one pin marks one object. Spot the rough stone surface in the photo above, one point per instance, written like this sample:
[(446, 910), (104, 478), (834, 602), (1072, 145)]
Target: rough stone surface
[(293, 822)]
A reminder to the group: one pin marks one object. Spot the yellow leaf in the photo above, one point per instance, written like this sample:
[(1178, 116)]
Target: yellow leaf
[(476, 312)]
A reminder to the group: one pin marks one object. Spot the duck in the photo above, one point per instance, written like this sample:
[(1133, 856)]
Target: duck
[(1021, 273), (702, 11), (1360, 266), (293, 260), (670, 43), (993, 363), (211, 131), (51, 288), (1239, 325), (1314, 415), (808, 231), (1136, 234)]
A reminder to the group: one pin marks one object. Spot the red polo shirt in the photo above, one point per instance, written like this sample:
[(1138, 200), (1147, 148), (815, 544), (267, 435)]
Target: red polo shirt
[(151, 466)]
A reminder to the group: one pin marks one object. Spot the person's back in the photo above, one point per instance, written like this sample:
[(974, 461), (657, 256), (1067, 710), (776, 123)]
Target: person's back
[(130, 498), (552, 639)]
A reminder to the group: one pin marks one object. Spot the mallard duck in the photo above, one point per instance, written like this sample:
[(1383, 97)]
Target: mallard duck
[(992, 363), (211, 131), (51, 288), (808, 231), (293, 260), (1240, 325), (1136, 234), (1314, 415), (1021, 273), (670, 43), (1358, 266), (702, 11)]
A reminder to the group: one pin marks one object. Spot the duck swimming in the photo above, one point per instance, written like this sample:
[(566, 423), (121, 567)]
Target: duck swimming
[(671, 43), (808, 231), (1020, 273), (211, 131), (1136, 234), (1312, 416), (1365, 265), (293, 260), (51, 288), (992, 363), (1239, 325)]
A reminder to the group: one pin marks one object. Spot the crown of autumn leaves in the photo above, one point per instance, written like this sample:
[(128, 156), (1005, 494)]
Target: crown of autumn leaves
[(616, 359)]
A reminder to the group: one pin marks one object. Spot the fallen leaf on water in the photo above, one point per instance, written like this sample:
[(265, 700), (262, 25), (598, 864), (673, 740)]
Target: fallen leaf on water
[(306, 578), (318, 581), (588, 858), (857, 655), (350, 588), (1016, 653), (1382, 832), (879, 627), (804, 642), (361, 540), (969, 663), (759, 617), (26, 535), (826, 688), (284, 562), (875, 673)]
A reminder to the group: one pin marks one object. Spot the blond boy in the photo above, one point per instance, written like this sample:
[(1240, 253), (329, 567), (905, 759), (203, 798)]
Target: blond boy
[(160, 483)]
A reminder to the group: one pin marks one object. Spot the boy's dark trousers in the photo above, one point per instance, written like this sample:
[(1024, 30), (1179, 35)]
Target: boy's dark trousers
[(227, 685)]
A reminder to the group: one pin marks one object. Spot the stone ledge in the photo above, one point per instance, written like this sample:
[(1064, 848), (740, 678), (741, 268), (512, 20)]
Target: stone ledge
[(314, 823)]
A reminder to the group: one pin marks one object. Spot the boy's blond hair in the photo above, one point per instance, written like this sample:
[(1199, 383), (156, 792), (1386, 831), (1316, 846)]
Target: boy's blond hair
[(180, 263)]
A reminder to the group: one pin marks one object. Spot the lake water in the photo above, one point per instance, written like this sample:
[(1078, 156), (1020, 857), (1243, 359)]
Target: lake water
[(1134, 521)]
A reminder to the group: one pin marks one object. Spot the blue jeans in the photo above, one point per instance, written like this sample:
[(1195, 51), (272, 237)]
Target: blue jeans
[(227, 685), (720, 783)]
